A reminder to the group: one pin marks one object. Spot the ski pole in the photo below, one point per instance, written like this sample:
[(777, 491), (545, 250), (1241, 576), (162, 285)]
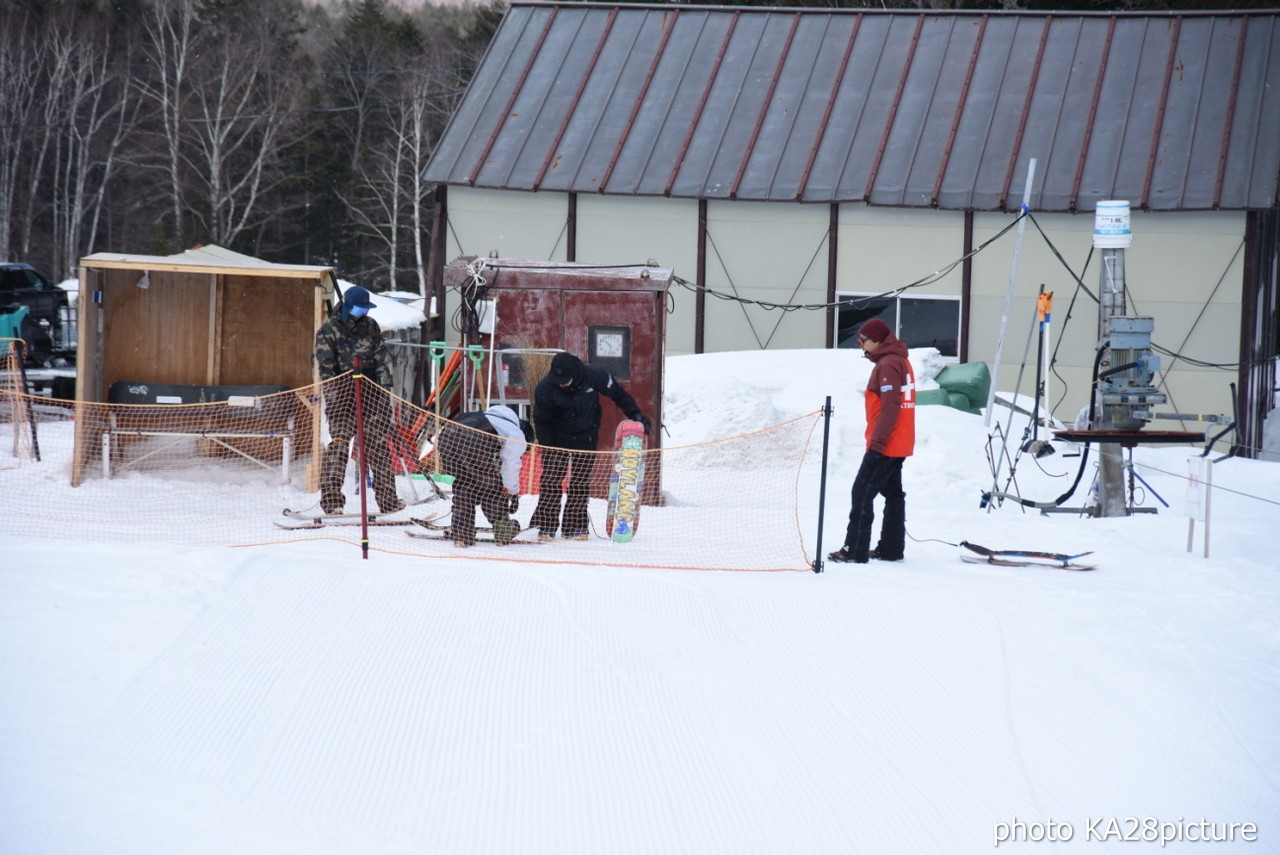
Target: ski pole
[(358, 379)]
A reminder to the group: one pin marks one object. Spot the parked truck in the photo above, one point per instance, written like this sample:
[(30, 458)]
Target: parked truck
[(48, 325)]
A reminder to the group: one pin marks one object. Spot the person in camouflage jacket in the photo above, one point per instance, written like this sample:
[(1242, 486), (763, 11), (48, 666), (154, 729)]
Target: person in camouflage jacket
[(347, 334)]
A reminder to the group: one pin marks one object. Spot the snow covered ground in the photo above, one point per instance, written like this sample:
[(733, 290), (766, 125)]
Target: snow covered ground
[(296, 699)]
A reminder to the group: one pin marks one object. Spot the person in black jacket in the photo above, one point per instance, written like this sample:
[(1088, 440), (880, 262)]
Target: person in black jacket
[(566, 420)]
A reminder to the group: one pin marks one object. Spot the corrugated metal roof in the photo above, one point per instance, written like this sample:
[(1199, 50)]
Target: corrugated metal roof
[(945, 109)]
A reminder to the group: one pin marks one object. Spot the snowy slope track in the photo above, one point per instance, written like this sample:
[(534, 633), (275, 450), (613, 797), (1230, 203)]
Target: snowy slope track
[(293, 699)]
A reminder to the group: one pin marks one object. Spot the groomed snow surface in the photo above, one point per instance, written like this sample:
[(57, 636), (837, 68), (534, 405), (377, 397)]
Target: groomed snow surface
[(157, 700)]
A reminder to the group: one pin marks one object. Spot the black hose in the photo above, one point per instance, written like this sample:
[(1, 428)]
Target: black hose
[(1084, 457), (1116, 370)]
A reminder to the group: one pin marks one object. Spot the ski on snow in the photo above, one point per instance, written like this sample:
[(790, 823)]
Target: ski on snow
[(314, 521), (440, 531), (1024, 558), (443, 534), (430, 522)]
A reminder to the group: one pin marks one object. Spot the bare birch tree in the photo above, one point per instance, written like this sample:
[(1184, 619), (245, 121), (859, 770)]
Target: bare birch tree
[(100, 107), (19, 102), (391, 202), (377, 205), (168, 47), (426, 110), (245, 113), (149, 125), (397, 86), (228, 98), (34, 71)]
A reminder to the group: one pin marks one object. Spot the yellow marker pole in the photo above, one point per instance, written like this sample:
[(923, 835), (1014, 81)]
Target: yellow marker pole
[(1044, 311)]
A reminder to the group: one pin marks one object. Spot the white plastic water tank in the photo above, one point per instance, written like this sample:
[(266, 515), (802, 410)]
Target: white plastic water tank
[(1111, 225)]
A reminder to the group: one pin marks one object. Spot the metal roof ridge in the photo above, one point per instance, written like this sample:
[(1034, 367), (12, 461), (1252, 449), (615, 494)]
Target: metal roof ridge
[(949, 13)]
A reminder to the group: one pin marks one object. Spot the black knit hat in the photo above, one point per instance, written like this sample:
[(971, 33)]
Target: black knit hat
[(565, 368)]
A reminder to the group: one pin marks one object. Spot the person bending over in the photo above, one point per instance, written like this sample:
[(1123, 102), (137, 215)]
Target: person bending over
[(483, 452)]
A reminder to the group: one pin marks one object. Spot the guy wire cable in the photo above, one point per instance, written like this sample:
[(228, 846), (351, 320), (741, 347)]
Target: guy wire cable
[(1084, 456), (995, 481)]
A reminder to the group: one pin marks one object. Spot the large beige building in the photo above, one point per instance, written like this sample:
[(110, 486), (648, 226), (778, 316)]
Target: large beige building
[(859, 163)]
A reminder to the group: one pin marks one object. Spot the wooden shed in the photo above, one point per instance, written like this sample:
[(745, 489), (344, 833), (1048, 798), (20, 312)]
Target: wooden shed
[(207, 317)]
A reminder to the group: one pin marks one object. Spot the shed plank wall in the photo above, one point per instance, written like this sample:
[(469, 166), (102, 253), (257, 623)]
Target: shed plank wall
[(160, 333), (268, 331)]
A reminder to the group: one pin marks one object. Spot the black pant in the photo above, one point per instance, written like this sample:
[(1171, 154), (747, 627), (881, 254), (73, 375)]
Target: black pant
[(546, 516), (469, 451), (469, 490), (878, 476)]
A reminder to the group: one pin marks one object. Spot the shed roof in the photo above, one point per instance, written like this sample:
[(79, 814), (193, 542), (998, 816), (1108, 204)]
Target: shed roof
[(210, 258), (907, 109)]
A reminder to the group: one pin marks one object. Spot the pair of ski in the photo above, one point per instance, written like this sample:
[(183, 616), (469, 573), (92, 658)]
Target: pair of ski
[(441, 531), (301, 520), (1024, 558)]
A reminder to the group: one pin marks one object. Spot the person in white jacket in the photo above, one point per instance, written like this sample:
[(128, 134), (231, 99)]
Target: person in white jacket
[(508, 425), (484, 453)]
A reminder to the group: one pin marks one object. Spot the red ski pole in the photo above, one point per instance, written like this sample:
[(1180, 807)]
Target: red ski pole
[(358, 379)]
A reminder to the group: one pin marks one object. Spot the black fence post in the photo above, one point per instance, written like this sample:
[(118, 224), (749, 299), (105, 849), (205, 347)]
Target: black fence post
[(822, 488)]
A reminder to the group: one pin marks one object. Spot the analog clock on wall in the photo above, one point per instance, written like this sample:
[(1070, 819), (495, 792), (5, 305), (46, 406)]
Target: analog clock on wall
[(610, 348)]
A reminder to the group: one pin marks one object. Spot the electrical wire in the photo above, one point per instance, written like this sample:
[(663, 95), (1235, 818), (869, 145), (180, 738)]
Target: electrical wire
[(1084, 455), (1187, 478), (856, 302), (467, 316), (863, 301)]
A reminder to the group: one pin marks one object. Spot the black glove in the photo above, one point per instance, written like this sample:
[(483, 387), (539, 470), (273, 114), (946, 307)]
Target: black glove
[(513, 504), (644, 420)]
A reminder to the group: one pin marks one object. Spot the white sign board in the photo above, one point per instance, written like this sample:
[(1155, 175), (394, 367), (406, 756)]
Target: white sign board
[(1197, 487)]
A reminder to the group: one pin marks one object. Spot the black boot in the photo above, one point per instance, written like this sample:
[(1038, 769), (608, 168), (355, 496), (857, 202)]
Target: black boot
[(844, 555)]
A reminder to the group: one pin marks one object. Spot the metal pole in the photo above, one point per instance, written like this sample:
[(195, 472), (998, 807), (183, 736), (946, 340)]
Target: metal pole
[(1111, 498), (1208, 500), (358, 379), (822, 481), (437, 360), (1008, 296), (493, 342), (18, 355), (1046, 325)]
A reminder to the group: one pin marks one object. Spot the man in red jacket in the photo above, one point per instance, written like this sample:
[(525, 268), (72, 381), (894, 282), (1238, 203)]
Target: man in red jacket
[(891, 437)]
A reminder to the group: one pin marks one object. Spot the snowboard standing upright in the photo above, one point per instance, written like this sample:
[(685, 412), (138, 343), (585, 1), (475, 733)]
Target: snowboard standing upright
[(626, 482)]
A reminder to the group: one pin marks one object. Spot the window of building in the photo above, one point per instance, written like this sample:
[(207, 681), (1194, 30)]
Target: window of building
[(920, 320)]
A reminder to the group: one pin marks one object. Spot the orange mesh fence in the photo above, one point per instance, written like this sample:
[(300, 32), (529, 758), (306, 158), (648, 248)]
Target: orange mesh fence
[(210, 466)]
